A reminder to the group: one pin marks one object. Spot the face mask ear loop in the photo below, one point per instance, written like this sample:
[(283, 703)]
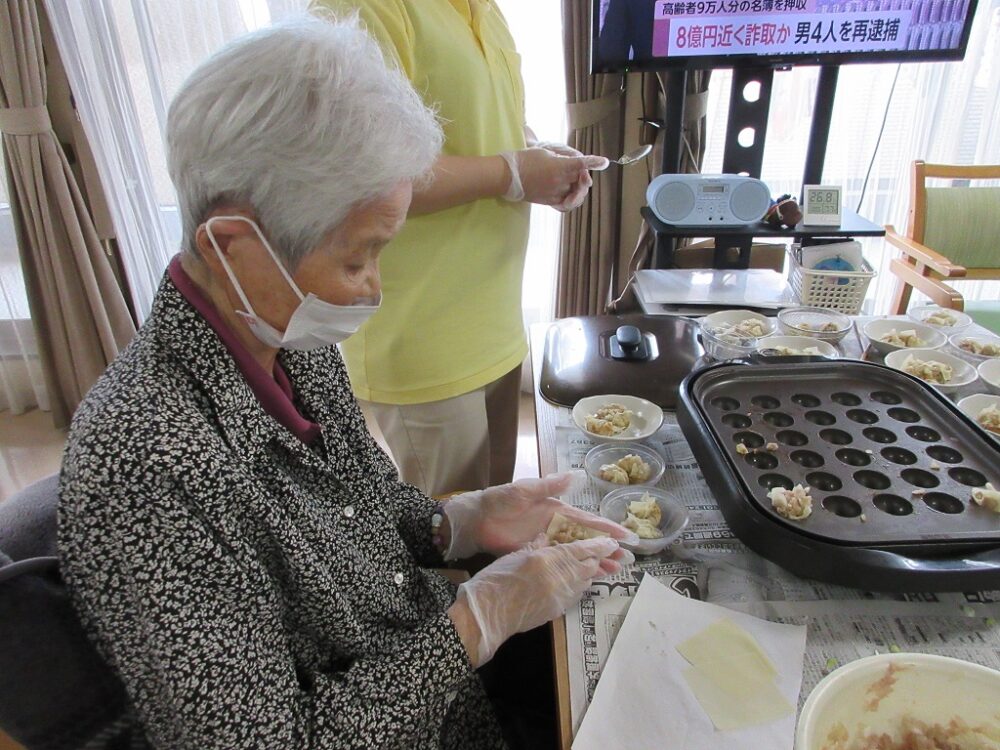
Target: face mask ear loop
[(225, 263), (274, 255)]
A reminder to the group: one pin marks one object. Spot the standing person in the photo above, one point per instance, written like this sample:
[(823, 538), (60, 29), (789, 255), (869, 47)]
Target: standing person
[(439, 366)]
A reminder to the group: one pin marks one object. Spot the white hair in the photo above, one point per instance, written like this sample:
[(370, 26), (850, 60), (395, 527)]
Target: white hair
[(303, 121)]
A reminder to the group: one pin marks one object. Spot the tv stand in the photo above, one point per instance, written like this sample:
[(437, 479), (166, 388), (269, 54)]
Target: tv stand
[(749, 105)]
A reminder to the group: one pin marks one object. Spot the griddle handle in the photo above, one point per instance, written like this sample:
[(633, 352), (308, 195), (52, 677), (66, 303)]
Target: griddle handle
[(967, 567), (630, 337)]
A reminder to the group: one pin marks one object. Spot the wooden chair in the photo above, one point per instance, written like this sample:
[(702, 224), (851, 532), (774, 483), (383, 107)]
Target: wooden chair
[(953, 233)]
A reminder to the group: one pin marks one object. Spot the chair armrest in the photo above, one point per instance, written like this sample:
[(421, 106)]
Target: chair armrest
[(939, 292), (923, 254)]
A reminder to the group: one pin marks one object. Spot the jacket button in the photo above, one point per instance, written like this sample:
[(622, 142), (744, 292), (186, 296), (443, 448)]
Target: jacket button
[(398, 579), (349, 511)]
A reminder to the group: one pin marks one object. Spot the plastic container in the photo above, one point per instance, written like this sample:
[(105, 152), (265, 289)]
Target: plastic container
[(926, 687), (962, 373), (719, 345), (609, 453), (674, 515), (874, 330), (843, 291), (797, 344), (808, 321)]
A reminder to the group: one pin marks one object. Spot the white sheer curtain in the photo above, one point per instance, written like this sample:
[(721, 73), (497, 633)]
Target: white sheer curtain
[(128, 73), (22, 385), (939, 112), (124, 60), (537, 31)]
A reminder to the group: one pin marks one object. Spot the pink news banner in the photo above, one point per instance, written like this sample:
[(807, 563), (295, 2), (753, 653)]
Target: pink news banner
[(764, 27)]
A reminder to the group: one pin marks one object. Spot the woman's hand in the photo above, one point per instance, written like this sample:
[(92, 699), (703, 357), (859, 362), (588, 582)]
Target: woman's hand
[(504, 518), (581, 186), (525, 589), (553, 178)]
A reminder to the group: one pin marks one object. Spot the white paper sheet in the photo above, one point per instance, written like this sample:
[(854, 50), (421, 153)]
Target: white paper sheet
[(642, 700), (756, 287)]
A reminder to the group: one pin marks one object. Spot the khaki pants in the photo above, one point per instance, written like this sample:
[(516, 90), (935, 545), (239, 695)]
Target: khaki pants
[(463, 443)]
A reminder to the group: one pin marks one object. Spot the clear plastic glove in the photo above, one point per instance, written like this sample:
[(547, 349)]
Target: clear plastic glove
[(527, 588), (578, 193), (504, 518), (538, 175), (560, 149)]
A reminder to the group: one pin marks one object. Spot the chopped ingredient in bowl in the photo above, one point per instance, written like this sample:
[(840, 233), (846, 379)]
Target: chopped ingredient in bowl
[(787, 351), (609, 420), (989, 418), (644, 517), (987, 497), (824, 328), (930, 370), (613, 473), (907, 338), (638, 470), (751, 328), (630, 469), (742, 449), (794, 504), (941, 318), (913, 734), (980, 348)]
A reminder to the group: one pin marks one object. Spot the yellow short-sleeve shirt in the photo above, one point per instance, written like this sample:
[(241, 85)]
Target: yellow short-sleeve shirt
[(450, 320)]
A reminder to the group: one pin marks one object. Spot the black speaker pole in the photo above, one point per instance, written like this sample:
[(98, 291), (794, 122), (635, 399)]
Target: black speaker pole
[(746, 112), (670, 155), (819, 131)]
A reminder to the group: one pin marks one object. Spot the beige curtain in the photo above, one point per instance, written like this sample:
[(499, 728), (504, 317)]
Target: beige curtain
[(692, 153), (77, 308), (598, 249), (589, 241)]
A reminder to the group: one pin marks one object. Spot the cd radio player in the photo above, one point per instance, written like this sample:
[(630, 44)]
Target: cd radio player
[(698, 200)]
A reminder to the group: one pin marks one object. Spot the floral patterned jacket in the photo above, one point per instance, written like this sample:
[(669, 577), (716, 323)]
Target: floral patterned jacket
[(250, 590)]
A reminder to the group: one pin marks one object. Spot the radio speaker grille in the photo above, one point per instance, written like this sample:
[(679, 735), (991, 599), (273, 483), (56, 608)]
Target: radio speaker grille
[(674, 201), (749, 201)]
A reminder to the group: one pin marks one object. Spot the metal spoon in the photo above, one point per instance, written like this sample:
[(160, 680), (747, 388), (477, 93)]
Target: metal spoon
[(632, 156)]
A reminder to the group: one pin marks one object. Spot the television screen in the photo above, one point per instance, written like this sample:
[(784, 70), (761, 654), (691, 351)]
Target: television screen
[(660, 34)]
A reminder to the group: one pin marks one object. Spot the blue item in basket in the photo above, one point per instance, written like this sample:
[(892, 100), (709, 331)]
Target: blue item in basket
[(836, 263)]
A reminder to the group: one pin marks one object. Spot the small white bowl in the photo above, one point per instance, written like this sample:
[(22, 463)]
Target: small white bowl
[(720, 346), (962, 373), (609, 453), (645, 420), (920, 314), (956, 340), (874, 330), (934, 689), (798, 344), (807, 321), (972, 405), (673, 515), (989, 371)]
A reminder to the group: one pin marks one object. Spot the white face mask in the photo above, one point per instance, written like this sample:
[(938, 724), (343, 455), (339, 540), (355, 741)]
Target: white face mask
[(314, 323)]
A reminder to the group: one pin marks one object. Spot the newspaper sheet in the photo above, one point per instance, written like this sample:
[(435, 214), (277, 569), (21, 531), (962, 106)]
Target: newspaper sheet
[(711, 564)]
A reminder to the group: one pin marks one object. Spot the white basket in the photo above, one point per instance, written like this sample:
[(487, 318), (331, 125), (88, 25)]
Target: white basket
[(843, 291)]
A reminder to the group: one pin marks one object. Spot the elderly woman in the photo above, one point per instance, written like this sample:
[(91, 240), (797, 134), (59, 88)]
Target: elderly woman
[(237, 545)]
